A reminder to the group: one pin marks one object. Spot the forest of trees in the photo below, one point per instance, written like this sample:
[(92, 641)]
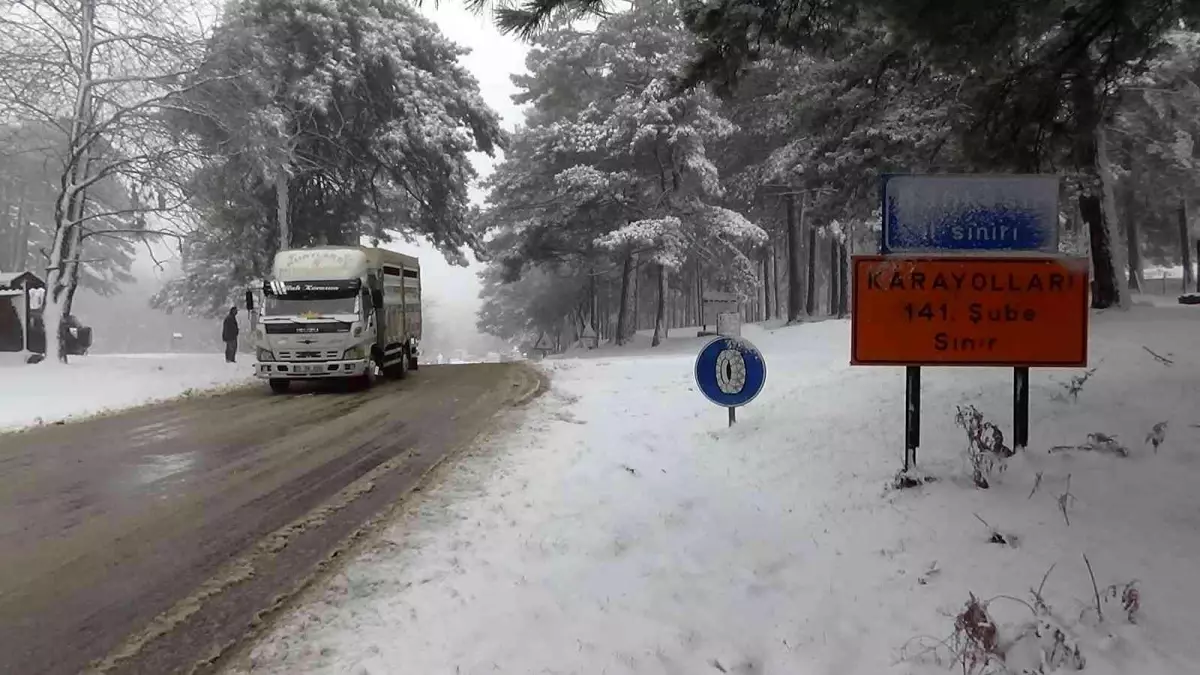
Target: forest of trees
[(631, 188), (284, 123), (670, 147)]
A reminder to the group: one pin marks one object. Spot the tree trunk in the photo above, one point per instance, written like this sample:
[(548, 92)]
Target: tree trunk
[(1133, 252), (637, 293), (843, 281), (1185, 244), (776, 277), (283, 209), (660, 313), (64, 249), (593, 305), (1135, 256), (72, 285), (794, 224), (606, 311), (77, 263), (810, 302), (623, 303), (834, 310), (1108, 205), (21, 239), (1095, 203), (1104, 290), (8, 239), (766, 277), (19, 245)]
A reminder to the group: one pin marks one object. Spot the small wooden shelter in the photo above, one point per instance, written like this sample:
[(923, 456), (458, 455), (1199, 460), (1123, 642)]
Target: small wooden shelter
[(21, 294)]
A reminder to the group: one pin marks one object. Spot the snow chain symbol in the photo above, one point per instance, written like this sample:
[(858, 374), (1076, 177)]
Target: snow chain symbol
[(731, 371)]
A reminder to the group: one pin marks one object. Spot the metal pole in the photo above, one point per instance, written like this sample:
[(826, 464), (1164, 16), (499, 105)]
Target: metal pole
[(912, 415), (1020, 407), (27, 319), (732, 415)]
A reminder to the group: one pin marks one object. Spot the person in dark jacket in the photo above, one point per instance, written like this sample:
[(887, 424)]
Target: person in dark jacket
[(229, 334)]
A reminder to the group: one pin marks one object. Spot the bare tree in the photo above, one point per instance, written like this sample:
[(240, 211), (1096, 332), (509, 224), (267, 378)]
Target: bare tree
[(103, 74)]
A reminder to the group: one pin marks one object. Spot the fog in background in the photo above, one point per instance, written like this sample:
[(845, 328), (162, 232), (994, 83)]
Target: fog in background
[(125, 323)]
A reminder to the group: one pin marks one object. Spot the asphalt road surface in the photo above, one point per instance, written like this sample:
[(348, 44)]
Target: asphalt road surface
[(150, 541)]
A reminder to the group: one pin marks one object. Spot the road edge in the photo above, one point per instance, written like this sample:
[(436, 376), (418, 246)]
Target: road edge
[(357, 542)]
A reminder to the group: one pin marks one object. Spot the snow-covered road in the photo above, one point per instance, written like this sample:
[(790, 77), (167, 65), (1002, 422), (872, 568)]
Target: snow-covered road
[(148, 539), (624, 529)]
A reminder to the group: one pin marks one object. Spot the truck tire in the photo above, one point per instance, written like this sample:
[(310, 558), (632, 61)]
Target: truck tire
[(280, 386)]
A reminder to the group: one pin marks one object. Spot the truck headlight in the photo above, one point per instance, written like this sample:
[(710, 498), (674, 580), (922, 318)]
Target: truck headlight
[(265, 355), (354, 353)]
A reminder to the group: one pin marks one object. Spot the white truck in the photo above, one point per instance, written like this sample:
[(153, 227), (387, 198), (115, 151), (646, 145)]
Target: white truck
[(338, 312)]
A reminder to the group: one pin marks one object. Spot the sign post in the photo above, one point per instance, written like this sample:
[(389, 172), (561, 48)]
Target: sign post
[(730, 372), (729, 324), (912, 415), (1021, 405), (969, 275)]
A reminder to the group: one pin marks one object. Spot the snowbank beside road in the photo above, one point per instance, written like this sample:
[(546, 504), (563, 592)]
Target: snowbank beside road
[(46, 392), (625, 529)]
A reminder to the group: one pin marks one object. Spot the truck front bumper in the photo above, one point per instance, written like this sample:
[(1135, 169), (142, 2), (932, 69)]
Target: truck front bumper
[(309, 370)]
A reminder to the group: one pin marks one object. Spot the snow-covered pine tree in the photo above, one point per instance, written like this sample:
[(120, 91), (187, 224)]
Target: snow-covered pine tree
[(626, 157), (328, 122)]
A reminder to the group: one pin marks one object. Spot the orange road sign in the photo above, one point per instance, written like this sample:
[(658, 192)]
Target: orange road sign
[(969, 311)]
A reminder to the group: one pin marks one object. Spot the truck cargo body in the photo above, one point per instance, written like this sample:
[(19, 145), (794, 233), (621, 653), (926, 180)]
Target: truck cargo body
[(339, 312)]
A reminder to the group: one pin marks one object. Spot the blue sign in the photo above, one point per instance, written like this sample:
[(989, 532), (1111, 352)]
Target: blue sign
[(730, 371), (969, 212)]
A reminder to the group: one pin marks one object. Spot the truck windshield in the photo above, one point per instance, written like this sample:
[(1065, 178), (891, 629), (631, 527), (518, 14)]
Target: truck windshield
[(285, 306)]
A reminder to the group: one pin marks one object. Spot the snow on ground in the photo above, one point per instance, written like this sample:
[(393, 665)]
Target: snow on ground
[(50, 392), (623, 528)]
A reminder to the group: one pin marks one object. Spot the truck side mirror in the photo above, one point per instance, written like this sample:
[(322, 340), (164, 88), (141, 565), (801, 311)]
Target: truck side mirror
[(249, 301), (377, 298)]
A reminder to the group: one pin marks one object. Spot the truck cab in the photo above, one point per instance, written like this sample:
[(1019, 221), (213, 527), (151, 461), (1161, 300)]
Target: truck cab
[(338, 312)]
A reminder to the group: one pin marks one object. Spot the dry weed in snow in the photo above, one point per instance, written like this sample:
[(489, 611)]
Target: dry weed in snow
[(1042, 643), (1072, 388), (986, 450)]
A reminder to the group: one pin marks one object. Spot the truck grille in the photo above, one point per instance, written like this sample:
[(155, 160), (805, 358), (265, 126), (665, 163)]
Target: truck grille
[(308, 356)]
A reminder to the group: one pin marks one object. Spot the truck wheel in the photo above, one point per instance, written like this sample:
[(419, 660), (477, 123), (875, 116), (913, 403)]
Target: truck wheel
[(397, 371), (280, 386)]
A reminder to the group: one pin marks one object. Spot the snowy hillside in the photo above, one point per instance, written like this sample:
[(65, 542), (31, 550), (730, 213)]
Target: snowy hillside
[(624, 529)]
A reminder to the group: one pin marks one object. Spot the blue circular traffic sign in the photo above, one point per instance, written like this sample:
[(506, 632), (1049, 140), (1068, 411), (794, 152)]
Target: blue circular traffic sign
[(730, 371)]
